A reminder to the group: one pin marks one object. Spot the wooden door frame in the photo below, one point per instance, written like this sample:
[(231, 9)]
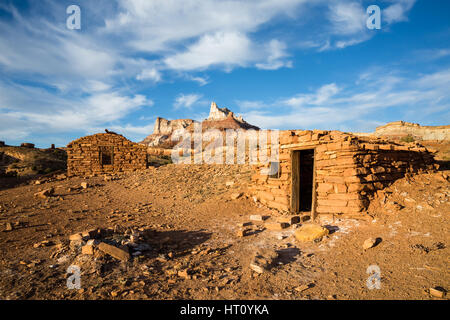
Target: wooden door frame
[(295, 181)]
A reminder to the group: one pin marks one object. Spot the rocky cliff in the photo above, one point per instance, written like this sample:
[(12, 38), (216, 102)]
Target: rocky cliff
[(218, 118), (163, 129), (166, 127), (405, 130)]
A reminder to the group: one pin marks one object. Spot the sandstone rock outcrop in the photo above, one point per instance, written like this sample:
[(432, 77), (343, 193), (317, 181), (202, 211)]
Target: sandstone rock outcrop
[(216, 113), (218, 118), (400, 129)]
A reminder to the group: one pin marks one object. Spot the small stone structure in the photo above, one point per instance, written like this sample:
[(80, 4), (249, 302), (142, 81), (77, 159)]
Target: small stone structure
[(27, 145), (104, 153), (331, 172)]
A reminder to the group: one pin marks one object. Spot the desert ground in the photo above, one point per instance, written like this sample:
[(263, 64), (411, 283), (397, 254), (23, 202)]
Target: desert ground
[(181, 225)]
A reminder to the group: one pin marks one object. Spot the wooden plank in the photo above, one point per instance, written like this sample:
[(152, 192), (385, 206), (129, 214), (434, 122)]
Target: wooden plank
[(301, 146), (295, 189), (313, 205)]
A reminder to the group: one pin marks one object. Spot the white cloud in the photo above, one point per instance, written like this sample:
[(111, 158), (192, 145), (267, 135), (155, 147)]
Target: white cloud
[(81, 80), (321, 96), (341, 44), (31, 110), (228, 50), (333, 107), (132, 132), (150, 74), (157, 25), (347, 18), (200, 80), (276, 54), (348, 23), (95, 86), (222, 48), (186, 100), (397, 12)]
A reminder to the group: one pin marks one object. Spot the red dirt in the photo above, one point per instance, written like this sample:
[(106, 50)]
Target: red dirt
[(190, 221)]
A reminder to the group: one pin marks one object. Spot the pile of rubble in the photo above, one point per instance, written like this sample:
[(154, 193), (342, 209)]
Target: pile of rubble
[(400, 195), (112, 241)]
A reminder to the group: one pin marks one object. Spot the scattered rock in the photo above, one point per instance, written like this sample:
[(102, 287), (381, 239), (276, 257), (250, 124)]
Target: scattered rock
[(369, 243), (184, 274), (438, 292), (276, 226), (303, 287), (45, 193), (244, 224), (257, 268), (88, 248), (242, 232), (289, 219), (257, 217), (236, 195), (263, 260), (45, 243), (85, 185), (310, 232), (8, 227), (305, 218), (114, 251), (76, 237)]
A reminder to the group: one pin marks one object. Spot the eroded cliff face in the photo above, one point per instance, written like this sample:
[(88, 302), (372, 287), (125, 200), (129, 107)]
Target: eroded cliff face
[(218, 118), (166, 127), (216, 113), (163, 130), (401, 129)]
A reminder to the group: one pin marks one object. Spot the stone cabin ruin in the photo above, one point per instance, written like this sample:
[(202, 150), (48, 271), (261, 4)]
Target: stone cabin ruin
[(104, 153), (331, 172)]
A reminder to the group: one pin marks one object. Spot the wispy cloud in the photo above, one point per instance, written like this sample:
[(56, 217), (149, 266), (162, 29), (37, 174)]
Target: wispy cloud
[(150, 74), (64, 81), (398, 11), (186, 100), (359, 106)]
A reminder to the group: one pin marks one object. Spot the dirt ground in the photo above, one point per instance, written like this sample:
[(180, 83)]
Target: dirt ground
[(188, 220)]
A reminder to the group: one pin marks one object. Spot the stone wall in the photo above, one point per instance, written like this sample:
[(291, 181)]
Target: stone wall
[(84, 156), (348, 170)]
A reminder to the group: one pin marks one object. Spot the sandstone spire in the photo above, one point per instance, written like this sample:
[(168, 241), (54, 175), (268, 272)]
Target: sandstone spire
[(216, 113)]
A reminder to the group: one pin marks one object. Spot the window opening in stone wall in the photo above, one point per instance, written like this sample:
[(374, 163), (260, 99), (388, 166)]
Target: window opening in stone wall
[(274, 170)]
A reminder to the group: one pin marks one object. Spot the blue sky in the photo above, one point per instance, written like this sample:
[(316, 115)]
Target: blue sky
[(282, 64)]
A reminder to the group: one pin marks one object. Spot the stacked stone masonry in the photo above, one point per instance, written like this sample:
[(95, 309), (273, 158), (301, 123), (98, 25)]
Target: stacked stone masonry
[(104, 153), (348, 170)]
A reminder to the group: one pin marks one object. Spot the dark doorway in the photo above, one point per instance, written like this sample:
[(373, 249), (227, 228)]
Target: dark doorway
[(302, 180), (106, 155)]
